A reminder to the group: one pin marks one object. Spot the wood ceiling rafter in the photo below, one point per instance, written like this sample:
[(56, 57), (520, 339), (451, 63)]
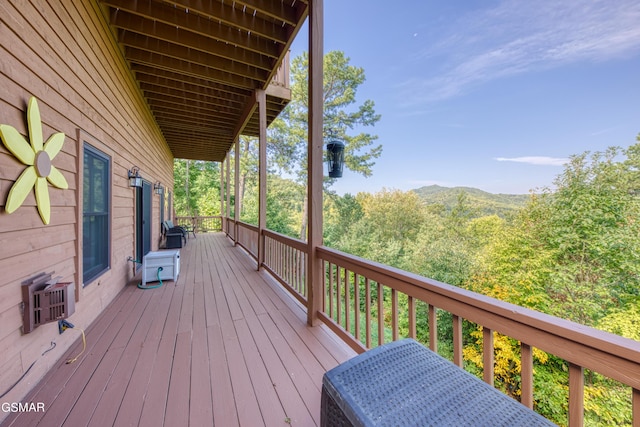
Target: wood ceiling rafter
[(196, 57), (196, 23), (160, 85), (263, 20), (206, 129), (181, 37), (217, 127), (232, 94), (163, 62), (198, 64), (195, 101), (195, 117)]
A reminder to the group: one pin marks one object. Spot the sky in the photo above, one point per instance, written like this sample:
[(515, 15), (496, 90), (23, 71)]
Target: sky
[(491, 94)]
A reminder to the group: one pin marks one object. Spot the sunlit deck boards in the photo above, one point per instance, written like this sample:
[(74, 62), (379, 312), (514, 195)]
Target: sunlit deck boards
[(223, 346)]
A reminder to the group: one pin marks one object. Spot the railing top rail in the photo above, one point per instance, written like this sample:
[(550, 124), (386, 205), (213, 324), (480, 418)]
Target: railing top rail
[(248, 226), (298, 244), (609, 354)]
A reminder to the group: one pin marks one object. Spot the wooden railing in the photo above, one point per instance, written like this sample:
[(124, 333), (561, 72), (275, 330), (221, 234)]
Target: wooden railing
[(248, 238), (285, 259), (354, 294), (229, 226), (582, 347), (202, 223)]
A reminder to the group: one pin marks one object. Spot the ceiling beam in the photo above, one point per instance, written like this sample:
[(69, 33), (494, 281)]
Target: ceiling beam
[(153, 59), (142, 42), (203, 22)]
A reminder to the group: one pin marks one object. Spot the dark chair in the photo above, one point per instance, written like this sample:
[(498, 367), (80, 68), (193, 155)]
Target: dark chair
[(174, 235), (190, 228)]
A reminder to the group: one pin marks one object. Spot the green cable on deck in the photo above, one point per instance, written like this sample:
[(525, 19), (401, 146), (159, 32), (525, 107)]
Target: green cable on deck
[(153, 286), (157, 274)]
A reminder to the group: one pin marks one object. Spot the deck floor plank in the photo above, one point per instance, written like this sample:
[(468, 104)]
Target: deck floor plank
[(133, 401), (108, 407), (223, 346), (58, 378), (225, 412)]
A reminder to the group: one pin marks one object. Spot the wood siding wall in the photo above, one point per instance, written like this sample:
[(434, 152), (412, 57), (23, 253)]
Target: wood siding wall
[(63, 53)]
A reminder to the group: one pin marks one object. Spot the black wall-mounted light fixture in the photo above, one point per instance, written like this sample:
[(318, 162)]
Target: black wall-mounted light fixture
[(335, 158), (158, 188), (135, 180)]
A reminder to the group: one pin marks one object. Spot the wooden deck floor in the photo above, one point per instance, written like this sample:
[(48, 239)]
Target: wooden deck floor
[(224, 346)]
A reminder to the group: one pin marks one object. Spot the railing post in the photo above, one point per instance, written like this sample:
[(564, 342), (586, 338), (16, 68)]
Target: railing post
[(488, 358), (576, 395), (526, 375), (261, 98), (636, 407), (433, 328), (228, 184), (457, 340), (314, 159), (222, 192), (236, 192)]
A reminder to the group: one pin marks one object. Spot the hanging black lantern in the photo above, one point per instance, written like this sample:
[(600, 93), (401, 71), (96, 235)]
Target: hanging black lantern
[(335, 158)]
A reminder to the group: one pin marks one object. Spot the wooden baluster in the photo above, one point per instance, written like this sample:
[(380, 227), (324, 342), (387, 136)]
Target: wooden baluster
[(338, 294), (324, 287), (412, 317), (367, 308), (394, 314), (487, 355), (457, 340), (299, 257), (331, 290), (526, 375), (291, 277), (293, 271), (576, 395), (303, 263), (286, 265), (380, 314), (282, 264), (347, 302), (296, 271), (356, 304), (433, 329)]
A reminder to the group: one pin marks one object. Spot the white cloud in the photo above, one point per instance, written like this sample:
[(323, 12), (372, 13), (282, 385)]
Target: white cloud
[(517, 37), (535, 160)]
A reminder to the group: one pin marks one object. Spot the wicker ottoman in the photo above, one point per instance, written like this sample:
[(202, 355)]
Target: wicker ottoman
[(405, 384)]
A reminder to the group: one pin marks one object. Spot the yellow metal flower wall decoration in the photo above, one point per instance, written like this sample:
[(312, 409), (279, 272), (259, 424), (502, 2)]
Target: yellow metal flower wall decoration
[(37, 155)]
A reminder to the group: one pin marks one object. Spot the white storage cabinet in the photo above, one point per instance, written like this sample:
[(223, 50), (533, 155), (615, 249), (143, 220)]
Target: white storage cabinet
[(169, 260)]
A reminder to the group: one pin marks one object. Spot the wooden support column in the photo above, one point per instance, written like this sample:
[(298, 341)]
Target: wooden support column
[(228, 211), (261, 99), (222, 190), (315, 271), (236, 192)]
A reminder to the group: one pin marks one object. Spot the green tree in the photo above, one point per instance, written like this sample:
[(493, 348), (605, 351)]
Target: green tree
[(196, 187), (390, 220), (590, 223), (340, 213), (344, 118), (342, 115), (571, 252)]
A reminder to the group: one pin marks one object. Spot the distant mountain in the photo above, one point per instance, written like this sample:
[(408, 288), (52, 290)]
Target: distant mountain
[(486, 203)]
